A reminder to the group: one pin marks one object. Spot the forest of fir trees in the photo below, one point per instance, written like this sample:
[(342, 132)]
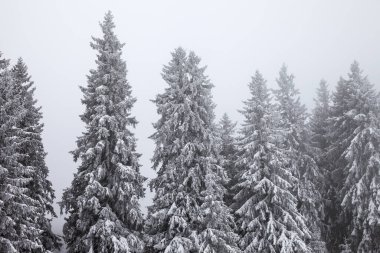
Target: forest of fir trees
[(283, 181)]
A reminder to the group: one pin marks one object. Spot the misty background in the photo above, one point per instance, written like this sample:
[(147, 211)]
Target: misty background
[(316, 39)]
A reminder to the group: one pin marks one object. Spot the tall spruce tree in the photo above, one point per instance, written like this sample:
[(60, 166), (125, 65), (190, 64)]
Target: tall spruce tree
[(102, 202), (265, 205), (354, 153), (227, 145), (296, 141), (188, 213), (320, 141), (34, 155), (25, 193), (16, 205)]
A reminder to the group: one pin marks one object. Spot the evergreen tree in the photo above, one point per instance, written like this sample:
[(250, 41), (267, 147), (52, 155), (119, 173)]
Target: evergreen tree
[(354, 153), (320, 140), (319, 120), (188, 214), (296, 141), (26, 195), (336, 161), (217, 222), (265, 204), (226, 134), (226, 137), (34, 155), (18, 229), (13, 177), (102, 202)]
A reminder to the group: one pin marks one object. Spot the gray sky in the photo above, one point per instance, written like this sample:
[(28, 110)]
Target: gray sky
[(316, 39)]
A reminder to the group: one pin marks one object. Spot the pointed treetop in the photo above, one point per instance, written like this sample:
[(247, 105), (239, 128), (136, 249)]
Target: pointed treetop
[(197, 71), (179, 51), (356, 74), (178, 56), (288, 99), (176, 63), (355, 68), (20, 70), (194, 60), (227, 126), (259, 77), (323, 94), (286, 81), (258, 82), (323, 83), (225, 119), (20, 62), (108, 21), (109, 43), (259, 101)]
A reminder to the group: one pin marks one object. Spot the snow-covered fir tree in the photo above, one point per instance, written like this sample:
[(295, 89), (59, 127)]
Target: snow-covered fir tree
[(227, 145), (34, 155), (16, 205), (320, 141), (319, 120), (226, 134), (354, 153), (340, 137), (25, 193), (296, 142), (265, 205), (188, 213), (103, 199), (217, 222)]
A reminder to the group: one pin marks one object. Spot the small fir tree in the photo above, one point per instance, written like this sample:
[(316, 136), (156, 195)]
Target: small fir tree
[(227, 145), (319, 120)]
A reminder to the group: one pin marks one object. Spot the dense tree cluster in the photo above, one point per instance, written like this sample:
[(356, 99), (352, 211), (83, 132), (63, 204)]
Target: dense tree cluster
[(284, 181)]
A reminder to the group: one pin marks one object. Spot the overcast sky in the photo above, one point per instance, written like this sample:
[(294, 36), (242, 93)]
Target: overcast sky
[(316, 39)]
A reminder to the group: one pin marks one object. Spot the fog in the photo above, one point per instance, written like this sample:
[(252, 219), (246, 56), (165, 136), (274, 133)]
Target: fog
[(316, 39)]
